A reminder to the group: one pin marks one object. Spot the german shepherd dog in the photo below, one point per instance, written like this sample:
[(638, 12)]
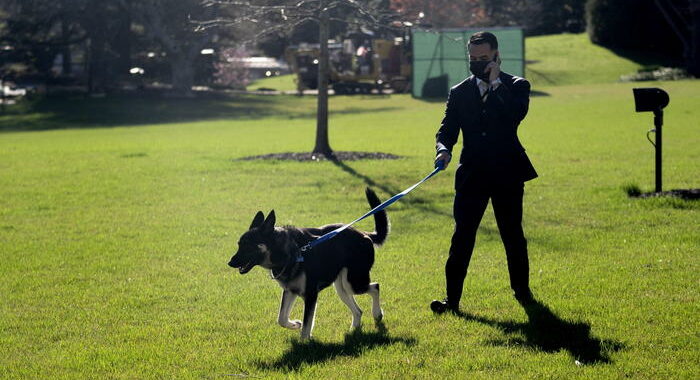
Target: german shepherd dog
[(344, 261)]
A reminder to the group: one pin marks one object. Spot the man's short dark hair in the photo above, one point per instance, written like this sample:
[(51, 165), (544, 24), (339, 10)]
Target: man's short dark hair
[(479, 38)]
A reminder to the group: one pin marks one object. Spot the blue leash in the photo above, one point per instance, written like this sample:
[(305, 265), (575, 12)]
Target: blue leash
[(440, 165)]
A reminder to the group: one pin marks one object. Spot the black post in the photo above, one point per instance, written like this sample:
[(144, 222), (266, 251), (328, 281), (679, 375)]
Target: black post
[(658, 122), (653, 100)]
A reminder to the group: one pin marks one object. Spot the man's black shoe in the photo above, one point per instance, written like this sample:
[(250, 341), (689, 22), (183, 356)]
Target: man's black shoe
[(440, 307)]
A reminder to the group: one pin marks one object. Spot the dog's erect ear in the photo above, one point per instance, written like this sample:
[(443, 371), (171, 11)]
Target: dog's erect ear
[(269, 223), (258, 220)]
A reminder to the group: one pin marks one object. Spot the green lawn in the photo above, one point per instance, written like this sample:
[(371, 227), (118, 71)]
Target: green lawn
[(116, 227), (566, 59), (280, 83)]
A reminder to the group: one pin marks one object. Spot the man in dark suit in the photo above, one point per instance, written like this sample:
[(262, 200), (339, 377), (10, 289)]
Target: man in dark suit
[(487, 107)]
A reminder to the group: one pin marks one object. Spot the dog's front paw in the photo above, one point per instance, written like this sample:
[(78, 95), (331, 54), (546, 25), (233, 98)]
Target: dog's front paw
[(294, 325), (305, 337)]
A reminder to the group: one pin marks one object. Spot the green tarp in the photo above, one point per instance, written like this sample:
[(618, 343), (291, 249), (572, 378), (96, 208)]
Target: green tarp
[(440, 59)]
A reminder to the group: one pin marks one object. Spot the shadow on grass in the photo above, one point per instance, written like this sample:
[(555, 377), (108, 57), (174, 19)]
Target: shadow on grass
[(66, 112), (547, 332), (412, 200), (440, 99), (548, 80), (355, 344), (649, 60)]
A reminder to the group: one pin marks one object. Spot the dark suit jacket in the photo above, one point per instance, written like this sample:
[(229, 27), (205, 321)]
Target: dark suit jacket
[(492, 153)]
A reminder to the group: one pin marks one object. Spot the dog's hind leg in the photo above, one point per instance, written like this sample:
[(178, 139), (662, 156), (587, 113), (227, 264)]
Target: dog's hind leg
[(344, 290), (358, 283), (288, 299), (377, 311)]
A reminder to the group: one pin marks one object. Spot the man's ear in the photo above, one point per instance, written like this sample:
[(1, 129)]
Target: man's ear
[(258, 220), (269, 223)]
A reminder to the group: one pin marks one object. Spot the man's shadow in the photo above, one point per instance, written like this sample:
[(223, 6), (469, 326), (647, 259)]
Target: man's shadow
[(356, 343), (547, 332)]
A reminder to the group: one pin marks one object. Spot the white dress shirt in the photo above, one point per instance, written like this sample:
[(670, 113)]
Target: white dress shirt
[(484, 86)]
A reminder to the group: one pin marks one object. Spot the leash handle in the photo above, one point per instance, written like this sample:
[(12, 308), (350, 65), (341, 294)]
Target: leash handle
[(440, 165)]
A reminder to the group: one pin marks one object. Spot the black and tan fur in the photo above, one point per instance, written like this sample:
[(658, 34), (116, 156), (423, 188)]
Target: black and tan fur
[(344, 261)]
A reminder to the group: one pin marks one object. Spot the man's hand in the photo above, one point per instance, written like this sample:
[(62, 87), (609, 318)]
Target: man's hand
[(443, 156), (494, 70)]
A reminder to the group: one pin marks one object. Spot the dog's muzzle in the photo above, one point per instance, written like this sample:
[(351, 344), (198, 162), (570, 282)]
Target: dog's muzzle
[(246, 268), (242, 268)]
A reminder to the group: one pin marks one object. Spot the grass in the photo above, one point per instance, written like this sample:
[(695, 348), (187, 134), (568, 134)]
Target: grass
[(282, 83), (567, 59), (632, 189), (118, 215), (114, 239)]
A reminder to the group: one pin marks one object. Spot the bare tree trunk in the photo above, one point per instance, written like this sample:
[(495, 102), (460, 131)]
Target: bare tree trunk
[(96, 73), (182, 74), (182, 54), (67, 64), (322, 144), (123, 39)]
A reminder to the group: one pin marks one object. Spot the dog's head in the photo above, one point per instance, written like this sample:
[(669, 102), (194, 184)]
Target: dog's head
[(255, 245)]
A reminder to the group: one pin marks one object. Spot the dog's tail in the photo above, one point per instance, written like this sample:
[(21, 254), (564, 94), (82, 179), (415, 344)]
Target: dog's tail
[(381, 221)]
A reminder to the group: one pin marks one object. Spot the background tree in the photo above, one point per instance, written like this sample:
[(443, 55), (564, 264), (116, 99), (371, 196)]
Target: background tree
[(107, 26), (642, 30), (557, 16), (279, 17), (229, 70), (536, 17), (169, 23), (694, 67), (684, 19), (442, 13), (37, 30), (110, 37)]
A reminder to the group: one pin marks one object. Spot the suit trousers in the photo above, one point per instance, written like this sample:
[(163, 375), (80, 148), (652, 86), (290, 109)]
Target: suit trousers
[(469, 206)]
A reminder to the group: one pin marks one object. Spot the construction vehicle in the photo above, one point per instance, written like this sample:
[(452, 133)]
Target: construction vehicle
[(372, 64)]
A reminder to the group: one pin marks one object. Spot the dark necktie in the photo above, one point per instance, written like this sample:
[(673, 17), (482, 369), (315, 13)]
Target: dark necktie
[(485, 95)]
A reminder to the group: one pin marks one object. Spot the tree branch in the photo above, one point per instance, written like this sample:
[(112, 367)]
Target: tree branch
[(277, 28)]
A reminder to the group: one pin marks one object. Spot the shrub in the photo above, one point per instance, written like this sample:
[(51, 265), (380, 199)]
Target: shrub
[(631, 25), (661, 73)]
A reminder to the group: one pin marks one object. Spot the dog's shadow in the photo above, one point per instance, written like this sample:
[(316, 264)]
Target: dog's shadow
[(355, 343), (545, 331)]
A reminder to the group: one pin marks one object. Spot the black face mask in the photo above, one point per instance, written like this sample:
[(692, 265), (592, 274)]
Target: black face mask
[(477, 68)]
